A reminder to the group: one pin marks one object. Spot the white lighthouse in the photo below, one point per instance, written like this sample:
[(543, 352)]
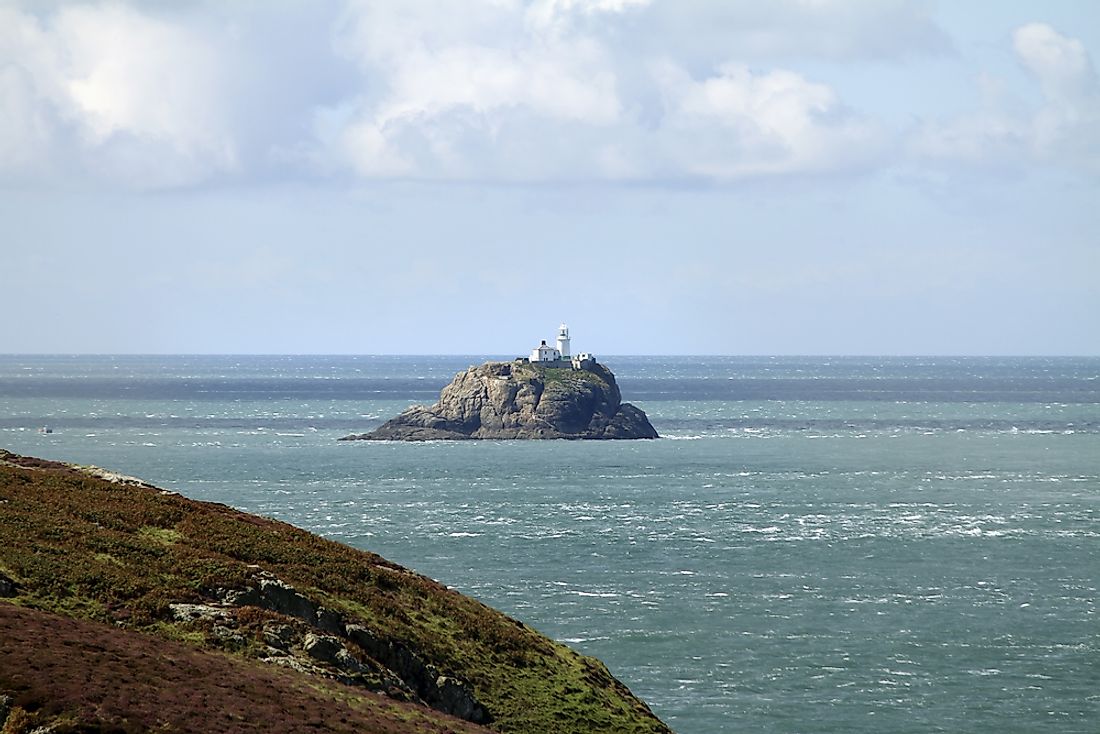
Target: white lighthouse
[(563, 341)]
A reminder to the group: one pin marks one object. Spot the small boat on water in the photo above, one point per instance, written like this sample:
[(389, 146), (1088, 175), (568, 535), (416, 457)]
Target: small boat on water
[(45, 429)]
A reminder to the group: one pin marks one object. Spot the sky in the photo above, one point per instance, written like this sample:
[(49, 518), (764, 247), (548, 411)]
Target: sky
[(893, 177)]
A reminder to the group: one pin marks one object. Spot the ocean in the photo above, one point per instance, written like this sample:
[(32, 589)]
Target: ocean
[(815, 544)]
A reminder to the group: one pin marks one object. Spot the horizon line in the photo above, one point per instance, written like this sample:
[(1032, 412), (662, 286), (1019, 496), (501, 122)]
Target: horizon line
[(503, 356)]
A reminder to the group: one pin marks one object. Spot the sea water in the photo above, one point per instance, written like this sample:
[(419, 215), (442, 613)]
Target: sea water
[(815, 544)]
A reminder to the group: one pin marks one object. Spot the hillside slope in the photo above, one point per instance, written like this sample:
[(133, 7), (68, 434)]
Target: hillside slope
[(76, 675), (114, 550)]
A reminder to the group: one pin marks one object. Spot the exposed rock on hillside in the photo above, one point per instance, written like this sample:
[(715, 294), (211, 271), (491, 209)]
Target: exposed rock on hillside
[(524, 400)]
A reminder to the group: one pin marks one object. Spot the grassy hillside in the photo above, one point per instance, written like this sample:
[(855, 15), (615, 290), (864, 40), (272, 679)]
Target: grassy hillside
[(280, 599)]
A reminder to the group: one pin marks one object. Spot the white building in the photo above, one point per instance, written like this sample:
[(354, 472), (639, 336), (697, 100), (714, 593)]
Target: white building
[(563, 341), (582, 360), (545, 353)]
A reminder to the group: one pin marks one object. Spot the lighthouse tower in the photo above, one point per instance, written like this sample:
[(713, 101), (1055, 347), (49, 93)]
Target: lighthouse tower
[(563, 341)]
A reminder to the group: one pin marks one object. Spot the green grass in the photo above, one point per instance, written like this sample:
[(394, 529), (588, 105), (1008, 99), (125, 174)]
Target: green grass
[(568, 375), (164, 536)]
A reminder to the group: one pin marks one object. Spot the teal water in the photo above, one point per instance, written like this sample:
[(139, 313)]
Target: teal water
[(825, 545)]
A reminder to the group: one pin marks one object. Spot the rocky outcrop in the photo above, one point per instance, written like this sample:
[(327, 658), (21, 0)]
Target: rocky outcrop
[(390, 661), (442, 692), (277, 596), (521, 400)]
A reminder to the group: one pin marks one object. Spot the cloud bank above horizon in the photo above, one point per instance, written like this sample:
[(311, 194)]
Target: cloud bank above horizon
[(637, 91)]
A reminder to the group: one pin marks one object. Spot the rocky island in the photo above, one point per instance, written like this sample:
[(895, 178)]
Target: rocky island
[(522, 399), (549, 394), (125, 608)]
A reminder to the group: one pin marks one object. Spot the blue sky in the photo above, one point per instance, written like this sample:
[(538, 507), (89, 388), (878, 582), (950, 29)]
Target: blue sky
[(667, 176)]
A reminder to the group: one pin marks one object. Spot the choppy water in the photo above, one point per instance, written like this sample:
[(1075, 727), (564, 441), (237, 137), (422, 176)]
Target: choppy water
[(818, 545)]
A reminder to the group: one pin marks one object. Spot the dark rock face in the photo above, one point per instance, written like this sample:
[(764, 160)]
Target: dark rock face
[(520, 400), (7, 586)]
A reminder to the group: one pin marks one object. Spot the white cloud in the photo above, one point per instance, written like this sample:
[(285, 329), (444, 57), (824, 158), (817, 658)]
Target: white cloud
[(152, 95), (138, 99), (125, 73), (738, 123), (1067, 127), (446, 91), (1060, 63), (1063, 130), (513, 91), (25, 123), (560, 15)]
